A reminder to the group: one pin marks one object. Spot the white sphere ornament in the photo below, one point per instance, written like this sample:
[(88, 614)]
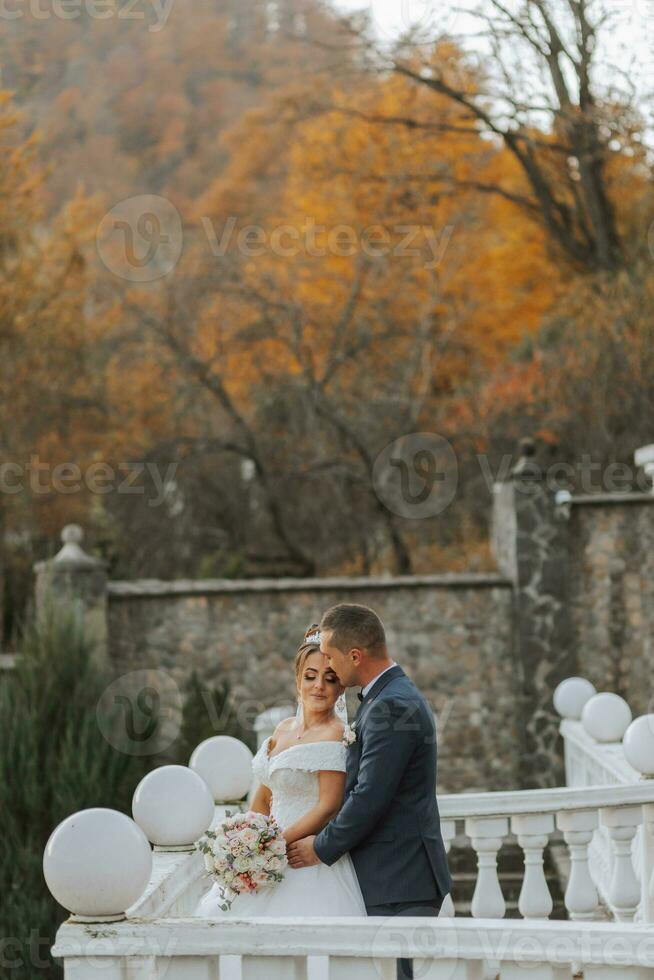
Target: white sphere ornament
[(97, 863), (571, 696), (638, 744), (173, 807), (225, 764), (606, 717)]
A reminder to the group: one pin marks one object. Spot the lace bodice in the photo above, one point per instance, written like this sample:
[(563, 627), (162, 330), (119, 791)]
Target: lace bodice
[(292, 776)]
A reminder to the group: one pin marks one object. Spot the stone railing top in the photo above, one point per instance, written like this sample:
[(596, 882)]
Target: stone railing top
[(454, 940), (611, 756), (602, 725), (513, 803), (154, 587), (172, 873), (611, 499)]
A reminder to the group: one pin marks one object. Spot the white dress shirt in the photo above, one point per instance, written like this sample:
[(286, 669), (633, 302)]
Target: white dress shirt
[(365, 689)]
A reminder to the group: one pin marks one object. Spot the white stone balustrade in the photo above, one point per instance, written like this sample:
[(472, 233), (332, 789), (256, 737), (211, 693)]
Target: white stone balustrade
[(621, 850), (605, 816), (532, 816), (340, 949)]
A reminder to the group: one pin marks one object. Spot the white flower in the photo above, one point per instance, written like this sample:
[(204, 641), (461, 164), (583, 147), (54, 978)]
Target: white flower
[(249, 837), (349, 736)]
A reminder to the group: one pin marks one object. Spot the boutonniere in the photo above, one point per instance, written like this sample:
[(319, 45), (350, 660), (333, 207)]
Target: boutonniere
[(349, 736)]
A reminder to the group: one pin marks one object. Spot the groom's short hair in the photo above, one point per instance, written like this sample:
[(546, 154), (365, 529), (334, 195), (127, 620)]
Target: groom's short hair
[(352, 625)]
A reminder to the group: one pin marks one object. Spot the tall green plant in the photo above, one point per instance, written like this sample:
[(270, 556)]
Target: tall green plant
[(54, 760)]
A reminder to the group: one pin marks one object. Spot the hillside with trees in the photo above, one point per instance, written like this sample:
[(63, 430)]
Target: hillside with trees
[(374, 241)]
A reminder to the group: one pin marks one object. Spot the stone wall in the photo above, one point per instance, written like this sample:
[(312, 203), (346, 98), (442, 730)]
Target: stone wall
[(574, 594), (452, 634), (611, 594)]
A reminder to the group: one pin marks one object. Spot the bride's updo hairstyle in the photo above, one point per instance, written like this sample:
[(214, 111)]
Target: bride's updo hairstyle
[(310, 644)]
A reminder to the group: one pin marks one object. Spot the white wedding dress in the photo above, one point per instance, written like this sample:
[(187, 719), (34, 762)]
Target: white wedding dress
[(292, 777)]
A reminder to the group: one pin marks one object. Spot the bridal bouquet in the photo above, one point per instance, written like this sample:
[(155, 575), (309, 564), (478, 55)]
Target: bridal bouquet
[(244, 854)]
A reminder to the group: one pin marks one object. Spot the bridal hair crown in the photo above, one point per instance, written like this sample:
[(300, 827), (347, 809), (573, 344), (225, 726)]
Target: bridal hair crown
[(312, 635)]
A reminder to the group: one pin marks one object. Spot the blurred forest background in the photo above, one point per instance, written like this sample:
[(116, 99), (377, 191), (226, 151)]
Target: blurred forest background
[(270, 384)]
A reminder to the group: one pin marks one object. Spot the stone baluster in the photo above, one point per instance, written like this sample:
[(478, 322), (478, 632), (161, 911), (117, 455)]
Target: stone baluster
[(448, 833), (648, 863), (578, 827), (486, 836), (532, 831), (622, 824), (638, 746)]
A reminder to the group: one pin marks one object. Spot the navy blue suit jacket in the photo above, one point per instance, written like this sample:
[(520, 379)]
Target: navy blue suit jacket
[(389, 822)]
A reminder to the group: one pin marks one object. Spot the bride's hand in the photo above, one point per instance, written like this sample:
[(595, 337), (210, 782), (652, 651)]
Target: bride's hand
[(302, 854)]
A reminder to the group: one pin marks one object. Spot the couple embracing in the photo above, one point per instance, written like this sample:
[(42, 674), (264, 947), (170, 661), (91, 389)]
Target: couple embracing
[(357, 802)]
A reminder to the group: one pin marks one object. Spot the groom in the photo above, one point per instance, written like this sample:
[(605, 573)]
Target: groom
[(389, 821)]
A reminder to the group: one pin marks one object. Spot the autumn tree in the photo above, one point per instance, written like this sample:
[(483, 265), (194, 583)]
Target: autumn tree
[(576, 137)]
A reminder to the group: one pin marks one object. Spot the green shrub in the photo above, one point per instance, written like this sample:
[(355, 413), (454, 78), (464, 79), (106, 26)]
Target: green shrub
[(208, 711), (54, 761)]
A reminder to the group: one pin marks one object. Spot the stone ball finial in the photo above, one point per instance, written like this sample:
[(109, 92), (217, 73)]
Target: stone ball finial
[(97, 863), (72, 534), (606, 717), (571, 696), (638, 745), (225, 764), (173, 806), (72, 553)]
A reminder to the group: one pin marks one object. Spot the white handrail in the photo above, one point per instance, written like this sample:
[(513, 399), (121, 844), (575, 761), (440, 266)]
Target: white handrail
[(598, 943), (464, 805)]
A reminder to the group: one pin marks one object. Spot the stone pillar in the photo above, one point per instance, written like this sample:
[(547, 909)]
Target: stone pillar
[(530, 544), (76, 577)]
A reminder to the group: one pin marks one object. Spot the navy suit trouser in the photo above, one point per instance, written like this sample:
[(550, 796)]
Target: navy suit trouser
[(406, 909)]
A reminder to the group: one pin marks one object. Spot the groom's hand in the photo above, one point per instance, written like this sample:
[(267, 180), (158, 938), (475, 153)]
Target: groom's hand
[(301, 854)]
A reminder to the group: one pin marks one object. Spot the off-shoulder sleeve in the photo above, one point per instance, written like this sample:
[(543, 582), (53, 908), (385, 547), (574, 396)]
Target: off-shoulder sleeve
[(260, 767), (312, 757)]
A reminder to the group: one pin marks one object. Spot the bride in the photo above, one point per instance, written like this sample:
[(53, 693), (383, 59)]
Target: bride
[(301, 771)]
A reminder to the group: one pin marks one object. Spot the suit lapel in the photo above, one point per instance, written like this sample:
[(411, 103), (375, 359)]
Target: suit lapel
[(376, 690)]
